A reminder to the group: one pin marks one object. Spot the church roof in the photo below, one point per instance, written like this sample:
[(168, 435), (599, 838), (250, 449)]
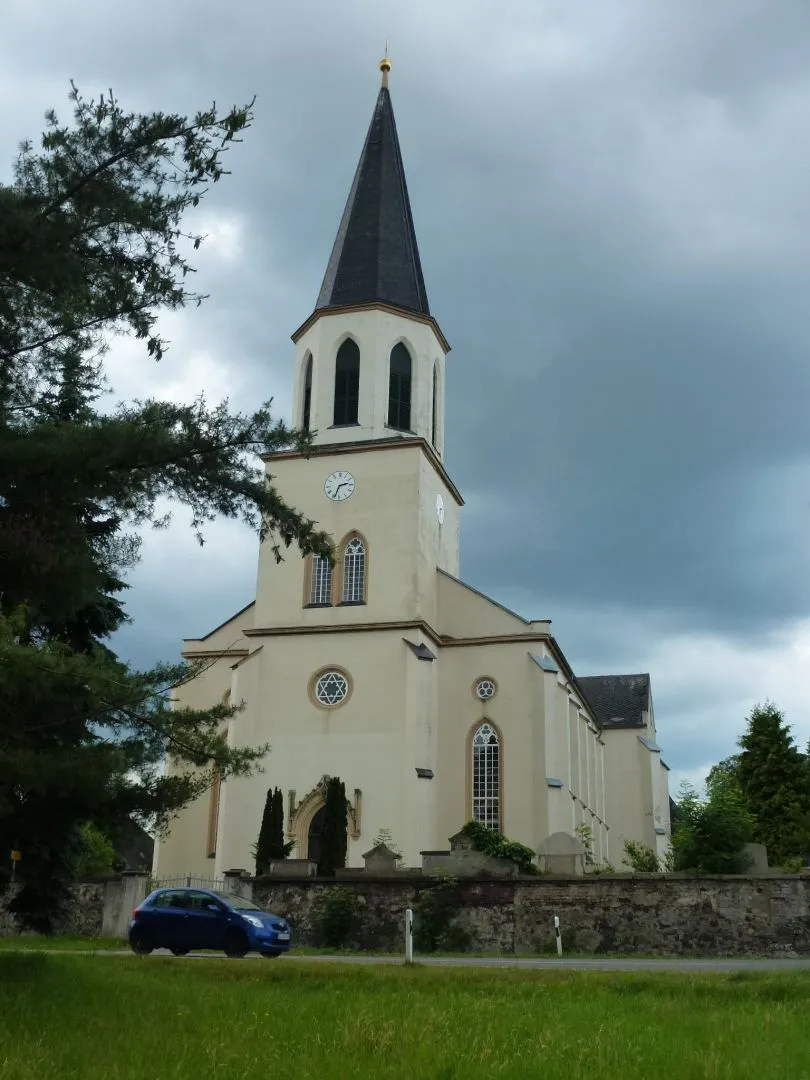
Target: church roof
[(375, 257), (618, 700)]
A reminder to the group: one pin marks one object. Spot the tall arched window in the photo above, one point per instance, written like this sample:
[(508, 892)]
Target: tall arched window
[(486, 777), (305, 414), (399, 389), (354, 571), (320, 588), (435, 425), (215, 792), (213, 811), (347, 383)]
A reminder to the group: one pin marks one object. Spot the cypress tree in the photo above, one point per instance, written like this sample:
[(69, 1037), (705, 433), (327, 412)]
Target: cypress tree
[(262, 849), (334, 841), (270, 844), (278, 849)]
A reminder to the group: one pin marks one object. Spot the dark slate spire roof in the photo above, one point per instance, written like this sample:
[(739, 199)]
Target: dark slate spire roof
[(375, 256), (617, 700)]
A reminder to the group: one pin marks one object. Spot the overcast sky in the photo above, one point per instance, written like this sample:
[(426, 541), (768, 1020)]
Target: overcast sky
[(613, 211)]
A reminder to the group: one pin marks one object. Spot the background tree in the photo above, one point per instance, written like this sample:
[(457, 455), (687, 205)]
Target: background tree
[(711, 833), (97, 855), (334, 841), (772, 775), (92, 244)]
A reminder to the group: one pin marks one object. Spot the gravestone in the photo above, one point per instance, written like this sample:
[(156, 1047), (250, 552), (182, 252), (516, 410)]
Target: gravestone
[(562, 853)]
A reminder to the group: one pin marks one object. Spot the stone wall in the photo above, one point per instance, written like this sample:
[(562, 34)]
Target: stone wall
[(84, 917), (654, 914), (100, 908)]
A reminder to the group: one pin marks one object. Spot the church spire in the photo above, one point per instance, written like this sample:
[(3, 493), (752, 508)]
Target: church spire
[(375, 256)]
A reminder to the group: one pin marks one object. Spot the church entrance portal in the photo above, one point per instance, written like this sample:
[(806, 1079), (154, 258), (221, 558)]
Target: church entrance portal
[(315, 837)]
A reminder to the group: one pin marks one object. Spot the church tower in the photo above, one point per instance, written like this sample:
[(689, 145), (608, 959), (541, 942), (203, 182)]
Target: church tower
[(369, 383)]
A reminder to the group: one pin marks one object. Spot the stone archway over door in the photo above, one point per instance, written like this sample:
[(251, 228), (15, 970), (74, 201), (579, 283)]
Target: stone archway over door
[(300, 816)]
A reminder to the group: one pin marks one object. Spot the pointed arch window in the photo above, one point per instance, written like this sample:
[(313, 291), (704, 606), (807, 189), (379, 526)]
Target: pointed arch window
[(486, 776), (307, 402), (354, 571), (320, 587), (347, 383), (399, 389), (435, 425)]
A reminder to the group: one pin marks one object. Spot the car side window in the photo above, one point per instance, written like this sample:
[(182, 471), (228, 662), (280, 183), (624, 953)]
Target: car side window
[(170, 898), (200, 901)]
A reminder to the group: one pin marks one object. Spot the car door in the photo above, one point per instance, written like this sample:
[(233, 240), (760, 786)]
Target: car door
[(168, 920), (206, 920)]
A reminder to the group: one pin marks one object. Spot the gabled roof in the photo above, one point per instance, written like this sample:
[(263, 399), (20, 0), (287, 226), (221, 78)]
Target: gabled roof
[(375, 257), (618, 700)]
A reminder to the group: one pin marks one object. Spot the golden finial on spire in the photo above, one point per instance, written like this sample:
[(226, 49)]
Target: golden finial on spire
[(385, 67)]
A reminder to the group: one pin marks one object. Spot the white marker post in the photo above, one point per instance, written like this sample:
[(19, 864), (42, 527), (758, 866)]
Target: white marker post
[(557, 932), (408, 936)]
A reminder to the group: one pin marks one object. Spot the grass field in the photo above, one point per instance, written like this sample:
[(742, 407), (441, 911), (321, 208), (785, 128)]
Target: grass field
[(136, 1017), (60, 943)]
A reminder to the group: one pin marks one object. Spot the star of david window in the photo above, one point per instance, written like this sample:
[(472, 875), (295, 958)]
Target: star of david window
[(331, 688)]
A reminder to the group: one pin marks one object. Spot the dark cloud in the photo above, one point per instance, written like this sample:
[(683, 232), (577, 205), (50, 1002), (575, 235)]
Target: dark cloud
[(612, 213)]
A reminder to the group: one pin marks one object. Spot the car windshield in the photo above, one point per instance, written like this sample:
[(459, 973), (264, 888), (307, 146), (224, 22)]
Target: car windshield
[(238, 903)]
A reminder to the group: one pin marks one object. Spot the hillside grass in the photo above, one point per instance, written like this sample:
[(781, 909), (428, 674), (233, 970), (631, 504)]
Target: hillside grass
[(129, 1017)]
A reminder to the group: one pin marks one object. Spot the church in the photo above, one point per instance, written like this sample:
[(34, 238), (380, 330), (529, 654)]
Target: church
[(432, 702)]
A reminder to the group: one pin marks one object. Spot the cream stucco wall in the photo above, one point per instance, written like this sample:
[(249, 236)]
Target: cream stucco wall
[(376, 332), (374, 741), (393, 507)]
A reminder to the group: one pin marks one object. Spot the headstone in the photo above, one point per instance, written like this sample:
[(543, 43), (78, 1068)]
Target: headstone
[(561, 853), (381, 860), (757, 855), (292, 868), (460, 841)]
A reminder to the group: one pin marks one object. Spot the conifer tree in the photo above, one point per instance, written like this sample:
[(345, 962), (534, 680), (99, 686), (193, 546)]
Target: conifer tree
[(93, 244), (772, 775), (334, 841), (278, 848), (271, 844)]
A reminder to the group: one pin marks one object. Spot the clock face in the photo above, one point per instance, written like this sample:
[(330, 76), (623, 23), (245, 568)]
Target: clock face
[(440, 509), (338, 485)]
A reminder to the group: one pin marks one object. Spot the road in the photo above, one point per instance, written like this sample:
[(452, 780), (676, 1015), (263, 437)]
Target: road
[(709, 964)]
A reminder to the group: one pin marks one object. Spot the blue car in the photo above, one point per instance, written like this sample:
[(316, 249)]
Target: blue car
[(186, 919)]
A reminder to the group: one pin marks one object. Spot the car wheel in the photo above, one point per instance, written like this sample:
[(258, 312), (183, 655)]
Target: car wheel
[(180, 952), (236, 944), (274, 955), (141, 942)]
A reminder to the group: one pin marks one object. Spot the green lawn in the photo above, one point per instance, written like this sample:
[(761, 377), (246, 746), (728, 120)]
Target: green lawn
[(62, 943), (135, 1017)]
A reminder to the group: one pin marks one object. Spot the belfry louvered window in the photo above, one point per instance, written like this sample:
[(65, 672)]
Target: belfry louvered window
[(307, 403), (347, 383), (486, 777), (354, 571), (399, 389)]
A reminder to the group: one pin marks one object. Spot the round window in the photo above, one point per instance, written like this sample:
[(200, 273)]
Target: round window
[(331, 688), (485, 689)]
